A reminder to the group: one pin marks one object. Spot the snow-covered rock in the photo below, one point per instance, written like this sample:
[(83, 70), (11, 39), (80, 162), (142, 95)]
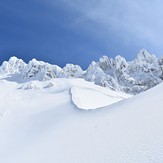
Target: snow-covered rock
[(96, 74), (14, 65), (144, 72), (30, 85), (72, 71), (133, 77), (40, 70)]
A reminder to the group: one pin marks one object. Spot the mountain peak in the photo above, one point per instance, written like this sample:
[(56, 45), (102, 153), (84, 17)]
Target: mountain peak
[(144, 55), (13, 59), (13, 65)]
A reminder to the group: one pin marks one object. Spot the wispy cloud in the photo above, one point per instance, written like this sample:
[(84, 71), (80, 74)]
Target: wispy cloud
[(139, 19)]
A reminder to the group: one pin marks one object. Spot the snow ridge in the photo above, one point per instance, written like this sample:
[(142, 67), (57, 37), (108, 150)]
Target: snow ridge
[(144, 72)]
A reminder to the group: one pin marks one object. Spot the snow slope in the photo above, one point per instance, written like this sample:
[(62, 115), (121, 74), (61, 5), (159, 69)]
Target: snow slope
[(39, 123)]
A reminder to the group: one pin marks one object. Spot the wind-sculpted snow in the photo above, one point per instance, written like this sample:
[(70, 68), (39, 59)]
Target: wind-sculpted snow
[(132, 77), (92, 98)]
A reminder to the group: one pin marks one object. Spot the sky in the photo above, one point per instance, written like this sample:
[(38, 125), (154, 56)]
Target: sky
[(78, 31)]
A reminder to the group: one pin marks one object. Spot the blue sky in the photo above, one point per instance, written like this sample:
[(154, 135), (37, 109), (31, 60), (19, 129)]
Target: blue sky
[(77, 31)]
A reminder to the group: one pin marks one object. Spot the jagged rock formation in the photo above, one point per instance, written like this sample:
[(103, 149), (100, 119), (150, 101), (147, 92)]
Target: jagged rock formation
[(14, 65), (72, 71), (38, 70), (133, 77)]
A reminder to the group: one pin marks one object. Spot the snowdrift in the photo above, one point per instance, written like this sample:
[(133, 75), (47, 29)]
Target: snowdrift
[(90, 98)]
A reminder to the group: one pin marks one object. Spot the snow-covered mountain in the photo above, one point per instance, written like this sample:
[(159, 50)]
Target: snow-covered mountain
[(132, 77), (52, 114)]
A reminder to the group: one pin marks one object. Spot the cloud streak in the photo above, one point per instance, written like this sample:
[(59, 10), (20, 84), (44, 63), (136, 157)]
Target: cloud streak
[(127, 19)]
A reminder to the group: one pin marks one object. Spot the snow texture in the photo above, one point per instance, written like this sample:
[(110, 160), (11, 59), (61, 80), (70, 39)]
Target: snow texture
[(44, 125)]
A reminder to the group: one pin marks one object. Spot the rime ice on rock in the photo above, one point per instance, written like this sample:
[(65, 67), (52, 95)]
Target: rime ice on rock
[(133, 77), (14, 65)]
